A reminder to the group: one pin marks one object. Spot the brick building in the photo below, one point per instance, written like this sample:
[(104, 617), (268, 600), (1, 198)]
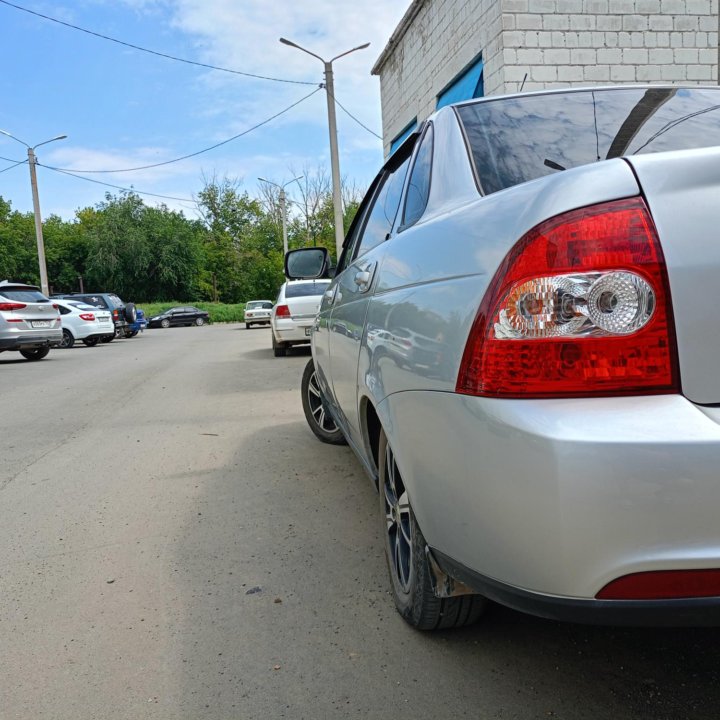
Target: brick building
[(448, 50)]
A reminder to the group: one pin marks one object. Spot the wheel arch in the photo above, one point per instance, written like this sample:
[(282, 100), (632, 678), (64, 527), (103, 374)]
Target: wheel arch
[(371, 426)]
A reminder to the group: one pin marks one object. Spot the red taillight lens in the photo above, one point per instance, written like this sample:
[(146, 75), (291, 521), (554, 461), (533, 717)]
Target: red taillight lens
[(282, 311), (580, 306), (10, 306), (663, 585), (116, 314), (87, 316), (56, 306)]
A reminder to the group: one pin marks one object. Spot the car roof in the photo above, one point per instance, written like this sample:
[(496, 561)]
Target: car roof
[(5, 284)]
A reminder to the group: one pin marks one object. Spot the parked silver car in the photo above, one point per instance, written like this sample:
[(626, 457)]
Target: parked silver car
[(29, 322), (520, 344)]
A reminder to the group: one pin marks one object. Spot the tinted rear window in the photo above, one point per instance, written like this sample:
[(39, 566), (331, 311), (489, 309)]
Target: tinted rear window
[(518, 139), (24, 295), (306, 289)]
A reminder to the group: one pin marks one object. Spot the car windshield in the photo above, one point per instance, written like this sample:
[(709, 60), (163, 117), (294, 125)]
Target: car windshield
[(306, 289), (23, 295), (517, 139)]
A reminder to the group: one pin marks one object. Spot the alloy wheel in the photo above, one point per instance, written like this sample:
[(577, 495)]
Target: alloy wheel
[(397, 522), (320, 415)]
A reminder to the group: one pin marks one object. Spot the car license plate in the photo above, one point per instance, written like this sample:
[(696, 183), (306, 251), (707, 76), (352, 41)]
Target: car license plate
[(40, 323), (308, 330)]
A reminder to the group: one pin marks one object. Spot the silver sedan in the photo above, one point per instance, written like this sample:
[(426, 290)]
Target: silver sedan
[(520, 344)]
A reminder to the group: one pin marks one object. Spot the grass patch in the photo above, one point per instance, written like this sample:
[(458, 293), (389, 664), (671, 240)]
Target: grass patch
[(219, 312)]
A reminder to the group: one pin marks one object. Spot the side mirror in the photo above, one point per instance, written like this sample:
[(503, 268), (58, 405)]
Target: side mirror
[(306, 263)]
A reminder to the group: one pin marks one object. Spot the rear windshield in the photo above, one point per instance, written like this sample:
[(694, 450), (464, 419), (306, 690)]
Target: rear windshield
[(513, 140), (23, 295), (259, 305), (306, 289)]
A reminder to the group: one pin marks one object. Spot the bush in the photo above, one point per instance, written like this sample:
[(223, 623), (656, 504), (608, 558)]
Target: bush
[(219, 312)]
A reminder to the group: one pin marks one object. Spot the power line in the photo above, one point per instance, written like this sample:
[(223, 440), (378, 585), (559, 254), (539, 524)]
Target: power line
[(152, 52), (199, 152), (347, 112), (117, 187), (14, 165)]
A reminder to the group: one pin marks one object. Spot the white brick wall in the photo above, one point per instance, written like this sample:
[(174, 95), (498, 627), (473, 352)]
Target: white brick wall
[(556, 43)]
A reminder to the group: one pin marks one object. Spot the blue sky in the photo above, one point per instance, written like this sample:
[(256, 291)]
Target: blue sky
[(121, 108)]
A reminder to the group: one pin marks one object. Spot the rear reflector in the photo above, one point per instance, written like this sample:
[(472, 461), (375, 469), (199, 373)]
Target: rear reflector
[(282, 311), (663, 585)]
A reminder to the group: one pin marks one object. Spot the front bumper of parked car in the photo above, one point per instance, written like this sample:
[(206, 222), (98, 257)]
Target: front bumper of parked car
[(551, 500)]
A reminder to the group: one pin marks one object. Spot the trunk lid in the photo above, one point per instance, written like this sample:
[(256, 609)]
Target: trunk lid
[(682, 190)]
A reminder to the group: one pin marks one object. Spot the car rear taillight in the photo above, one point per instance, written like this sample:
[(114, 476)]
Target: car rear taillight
[(282, 311), (579, 307), (10, 306), (663, 585), (116, 315), (87, 316), (56, 306)]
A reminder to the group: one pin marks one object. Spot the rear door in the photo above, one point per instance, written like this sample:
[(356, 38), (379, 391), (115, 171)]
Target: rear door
[(353, 291)]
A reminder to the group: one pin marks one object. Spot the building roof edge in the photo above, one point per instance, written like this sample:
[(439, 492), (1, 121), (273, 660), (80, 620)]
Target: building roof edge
[(397, 35)]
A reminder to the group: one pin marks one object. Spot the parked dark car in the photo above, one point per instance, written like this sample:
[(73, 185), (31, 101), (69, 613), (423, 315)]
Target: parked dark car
[(123, 314), (187, 315)]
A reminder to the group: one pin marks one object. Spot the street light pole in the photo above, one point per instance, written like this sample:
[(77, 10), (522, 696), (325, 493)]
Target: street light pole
[(32, 162), (332, 127), (283, 207)]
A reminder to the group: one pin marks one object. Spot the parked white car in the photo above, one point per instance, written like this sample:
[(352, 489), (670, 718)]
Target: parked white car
[(81, 321), (257, 312), (294, 313)]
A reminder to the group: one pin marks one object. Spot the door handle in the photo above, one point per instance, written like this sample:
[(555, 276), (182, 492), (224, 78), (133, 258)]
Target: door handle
[(364, 275), (362, 278)]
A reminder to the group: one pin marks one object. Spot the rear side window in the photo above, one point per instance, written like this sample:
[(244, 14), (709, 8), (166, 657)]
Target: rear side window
[(23, 295), (418, 190), (95, 300), (513, 140), (306, 289), (384, 210)]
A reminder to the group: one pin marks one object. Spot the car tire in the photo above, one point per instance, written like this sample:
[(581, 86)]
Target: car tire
[(165, 323), (247, 326), (68, 339), (131, 333), (199, 321), (108, 338), (36, 354), (279, 349), (91, 342), (316, 414), (405, 552), (130, 312)]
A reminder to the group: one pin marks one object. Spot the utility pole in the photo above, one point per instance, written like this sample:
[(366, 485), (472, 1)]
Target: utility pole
[(32, 162), (332, 127), (283, 206)]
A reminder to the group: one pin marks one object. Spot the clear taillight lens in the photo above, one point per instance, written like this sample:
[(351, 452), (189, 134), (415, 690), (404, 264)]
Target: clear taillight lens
[(580, 306), (614, 303)]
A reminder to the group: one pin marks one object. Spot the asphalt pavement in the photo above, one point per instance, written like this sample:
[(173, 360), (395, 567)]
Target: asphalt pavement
[(178, 545)]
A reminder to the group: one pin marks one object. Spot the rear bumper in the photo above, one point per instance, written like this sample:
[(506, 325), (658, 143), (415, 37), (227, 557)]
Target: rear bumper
[(29, 341), (694, 612), (292, 331), (558, 498)]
